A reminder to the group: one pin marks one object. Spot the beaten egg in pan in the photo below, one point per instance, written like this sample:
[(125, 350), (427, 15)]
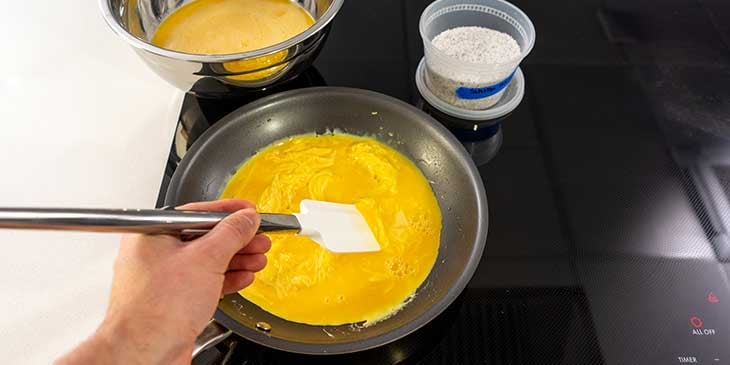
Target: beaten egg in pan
[(305, 283)]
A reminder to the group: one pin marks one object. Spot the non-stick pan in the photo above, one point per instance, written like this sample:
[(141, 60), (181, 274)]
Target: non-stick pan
[(218, 153)]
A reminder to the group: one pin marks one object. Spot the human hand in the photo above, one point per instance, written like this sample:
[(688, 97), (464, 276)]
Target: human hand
[(165, 291)]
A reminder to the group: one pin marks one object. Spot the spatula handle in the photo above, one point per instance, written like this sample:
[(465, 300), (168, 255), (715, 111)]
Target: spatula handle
[(151, 221), (279, 222)]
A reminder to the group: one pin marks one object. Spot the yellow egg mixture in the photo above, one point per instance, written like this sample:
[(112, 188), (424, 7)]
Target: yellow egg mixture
[(232, 26), (305, 283)]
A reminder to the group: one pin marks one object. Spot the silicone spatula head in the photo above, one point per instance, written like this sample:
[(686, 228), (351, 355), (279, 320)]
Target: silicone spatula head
[(337, 227)]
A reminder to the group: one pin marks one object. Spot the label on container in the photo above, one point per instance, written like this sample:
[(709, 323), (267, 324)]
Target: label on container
[(472, 93)]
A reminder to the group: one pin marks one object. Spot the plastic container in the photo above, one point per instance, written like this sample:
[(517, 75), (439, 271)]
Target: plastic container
[(473, 119), (468, 85)]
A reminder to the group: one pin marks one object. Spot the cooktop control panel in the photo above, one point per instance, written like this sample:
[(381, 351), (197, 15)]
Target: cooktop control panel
[(660, 311)]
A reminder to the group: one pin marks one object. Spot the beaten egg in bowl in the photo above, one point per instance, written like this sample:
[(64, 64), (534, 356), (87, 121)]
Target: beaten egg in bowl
[(214, 27), (305, 283)]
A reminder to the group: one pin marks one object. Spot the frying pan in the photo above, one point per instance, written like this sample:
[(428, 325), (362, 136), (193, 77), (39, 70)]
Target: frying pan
[(220, 151)]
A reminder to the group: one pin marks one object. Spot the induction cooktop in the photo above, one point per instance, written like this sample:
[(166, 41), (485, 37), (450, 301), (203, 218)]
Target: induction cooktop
[(608, 187)]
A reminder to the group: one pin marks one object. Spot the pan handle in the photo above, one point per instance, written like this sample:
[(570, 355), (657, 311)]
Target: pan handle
[(212, 334)]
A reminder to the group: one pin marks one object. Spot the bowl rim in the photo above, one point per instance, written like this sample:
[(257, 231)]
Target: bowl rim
[(138, 43)]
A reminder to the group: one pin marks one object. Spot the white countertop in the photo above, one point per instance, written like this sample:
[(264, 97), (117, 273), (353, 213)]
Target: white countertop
[(83, 122)]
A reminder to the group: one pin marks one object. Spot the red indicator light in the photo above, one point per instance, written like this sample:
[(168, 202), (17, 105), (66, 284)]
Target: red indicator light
[(696, 322), (712, 298)]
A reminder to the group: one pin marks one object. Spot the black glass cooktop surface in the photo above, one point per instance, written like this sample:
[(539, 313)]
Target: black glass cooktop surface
[(608, 187)]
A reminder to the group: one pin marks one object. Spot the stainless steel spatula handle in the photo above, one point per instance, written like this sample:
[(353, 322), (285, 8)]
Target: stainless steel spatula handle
[(151, 221)]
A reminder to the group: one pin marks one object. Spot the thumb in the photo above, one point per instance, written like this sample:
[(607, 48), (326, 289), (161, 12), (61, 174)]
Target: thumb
[(229, 236)]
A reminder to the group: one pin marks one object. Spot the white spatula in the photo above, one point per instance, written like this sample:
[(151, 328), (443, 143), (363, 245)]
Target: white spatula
[(336, 227)]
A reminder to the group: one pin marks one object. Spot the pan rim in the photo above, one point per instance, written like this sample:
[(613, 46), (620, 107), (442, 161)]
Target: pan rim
[(422, 319)]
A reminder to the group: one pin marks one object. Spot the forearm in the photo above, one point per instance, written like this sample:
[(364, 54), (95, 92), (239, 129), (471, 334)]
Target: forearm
[(117, 344), (92, 351)]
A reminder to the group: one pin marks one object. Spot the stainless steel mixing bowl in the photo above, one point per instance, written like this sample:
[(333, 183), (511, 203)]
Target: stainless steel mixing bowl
[(214, 75)]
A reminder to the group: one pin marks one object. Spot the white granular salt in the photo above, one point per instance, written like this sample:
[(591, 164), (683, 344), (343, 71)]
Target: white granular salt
[(477, 45)]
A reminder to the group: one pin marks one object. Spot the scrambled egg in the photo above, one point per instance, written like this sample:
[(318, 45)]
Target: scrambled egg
[(305, 283)]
